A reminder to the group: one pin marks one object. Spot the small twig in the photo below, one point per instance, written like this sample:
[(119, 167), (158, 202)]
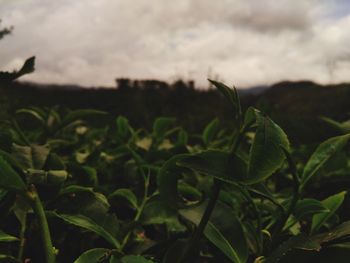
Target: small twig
[(296, 195)]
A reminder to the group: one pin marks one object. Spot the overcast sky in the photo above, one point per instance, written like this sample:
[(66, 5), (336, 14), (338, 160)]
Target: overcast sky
[(242, 42)]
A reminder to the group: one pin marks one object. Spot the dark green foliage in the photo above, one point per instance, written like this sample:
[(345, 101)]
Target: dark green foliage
[(9, 179), (266, 155), (110, 192)]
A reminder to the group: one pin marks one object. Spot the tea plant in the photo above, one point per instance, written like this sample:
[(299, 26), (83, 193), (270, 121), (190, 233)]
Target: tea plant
[(120, 194)]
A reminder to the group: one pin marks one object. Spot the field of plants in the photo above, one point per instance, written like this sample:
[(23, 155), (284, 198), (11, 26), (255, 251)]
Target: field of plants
[(73, 191)]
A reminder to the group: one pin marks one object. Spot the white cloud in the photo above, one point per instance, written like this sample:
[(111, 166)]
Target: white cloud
[(90, 42)]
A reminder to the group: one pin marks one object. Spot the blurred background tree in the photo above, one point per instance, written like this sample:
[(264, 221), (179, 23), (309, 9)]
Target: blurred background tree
[(28, 66), (5, 31)]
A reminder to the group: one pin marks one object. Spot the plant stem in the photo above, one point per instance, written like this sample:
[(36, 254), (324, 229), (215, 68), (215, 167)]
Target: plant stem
[(140, 208), (236, 142), (22, 240), (259, 237), (296, 195), (193, 243), (38, 208), (136, 219)]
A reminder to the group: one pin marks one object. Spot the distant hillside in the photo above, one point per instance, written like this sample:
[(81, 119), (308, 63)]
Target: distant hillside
[(296, 106), (253, 90)]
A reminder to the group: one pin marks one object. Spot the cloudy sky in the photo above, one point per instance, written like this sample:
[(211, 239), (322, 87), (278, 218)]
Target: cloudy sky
[(242, 42)]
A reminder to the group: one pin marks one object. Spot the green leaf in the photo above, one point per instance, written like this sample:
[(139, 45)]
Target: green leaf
[(95, 255), (72, 189), (343, 127), (182, 138), (9, 179), (335, 235), (307, 207), (54, 162), (249, 117), (210, 131), (34, 114), (85, 201), (266, 155), (102, 199), (23, 154), (217, 238), (167, 179), (307, 244), (323, 152), (77, 115), (89, 224), (189, 192), (157, 212), (127, 194), (230, 94), (11, 160), (123, 128), (224, 230), (40, 153), (56, 177), (33, 156), (261, 190), (91, 175), (332, 203), (51, 177), (6, 237), (161, 125), (53, 118), (226, 167), (296, 242)]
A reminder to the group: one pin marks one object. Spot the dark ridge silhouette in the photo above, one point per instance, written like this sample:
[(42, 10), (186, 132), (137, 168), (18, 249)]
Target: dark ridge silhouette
[(296, 106)]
